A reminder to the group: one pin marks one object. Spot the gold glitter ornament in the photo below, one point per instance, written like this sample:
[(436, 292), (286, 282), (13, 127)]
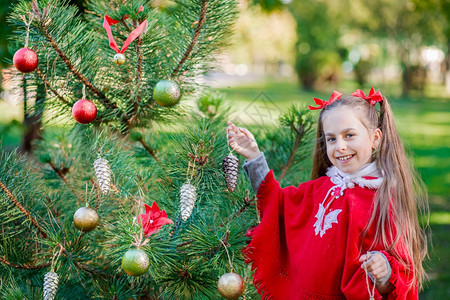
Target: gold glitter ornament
[(85, 219), (231, 285)]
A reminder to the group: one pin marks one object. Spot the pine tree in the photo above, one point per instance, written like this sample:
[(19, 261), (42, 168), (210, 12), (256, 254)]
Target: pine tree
[(40, 194)]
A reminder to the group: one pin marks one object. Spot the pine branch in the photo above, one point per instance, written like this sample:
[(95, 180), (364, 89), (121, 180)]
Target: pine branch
[(149, 150), (22, 209), (144, 187), (247, 203), (41, 17), (52, 208), (82, 266), (291, 158), (214, 249), (200, 23), (61, 175), (185, 243), (47, 83), (138, 78), (33, 221), (25, 97), (100, 16), (115, 189), (97, 194), (153, 154), (79, 265), (78, 239), (24, 266), (300, 133), (122, 21)]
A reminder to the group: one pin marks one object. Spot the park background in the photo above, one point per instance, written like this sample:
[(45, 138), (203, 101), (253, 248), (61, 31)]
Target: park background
[(287, 52)]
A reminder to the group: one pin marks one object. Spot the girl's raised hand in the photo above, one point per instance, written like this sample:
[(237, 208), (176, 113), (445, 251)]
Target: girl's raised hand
[(242, 141)]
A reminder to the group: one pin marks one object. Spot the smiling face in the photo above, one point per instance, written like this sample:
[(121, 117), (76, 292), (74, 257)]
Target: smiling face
[(349, 143)]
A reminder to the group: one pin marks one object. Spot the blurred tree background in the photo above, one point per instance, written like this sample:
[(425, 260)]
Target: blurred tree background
[(405, 40), (287, 51), (323, 39)]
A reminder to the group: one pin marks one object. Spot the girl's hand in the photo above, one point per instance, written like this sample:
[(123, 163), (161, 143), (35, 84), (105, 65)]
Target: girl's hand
[(376, 265), (242, 141)]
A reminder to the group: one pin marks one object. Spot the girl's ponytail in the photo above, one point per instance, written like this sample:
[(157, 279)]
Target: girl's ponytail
[(400, 197)]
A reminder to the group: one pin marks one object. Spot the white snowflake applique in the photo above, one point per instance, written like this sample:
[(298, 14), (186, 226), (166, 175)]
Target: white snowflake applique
[(343, 181), (324, 221)]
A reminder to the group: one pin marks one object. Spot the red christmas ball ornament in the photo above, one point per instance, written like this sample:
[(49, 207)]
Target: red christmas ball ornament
[(25, 60), (84, 111)]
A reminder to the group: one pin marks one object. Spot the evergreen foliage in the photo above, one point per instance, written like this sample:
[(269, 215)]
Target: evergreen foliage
[(39, 194), (179, 43)]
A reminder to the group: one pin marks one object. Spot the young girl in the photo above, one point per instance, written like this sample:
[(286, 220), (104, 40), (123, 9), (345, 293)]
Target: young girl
[(352, 231)]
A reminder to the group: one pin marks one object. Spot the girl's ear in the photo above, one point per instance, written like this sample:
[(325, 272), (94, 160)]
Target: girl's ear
[(377, 134)]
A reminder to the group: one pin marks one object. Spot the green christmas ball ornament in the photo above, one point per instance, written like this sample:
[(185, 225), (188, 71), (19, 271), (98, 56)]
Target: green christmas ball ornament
[(85, 219), (135, 262), (166, 93)]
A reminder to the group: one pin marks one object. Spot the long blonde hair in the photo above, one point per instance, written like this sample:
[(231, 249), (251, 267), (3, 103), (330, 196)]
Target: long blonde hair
[(401, 194)]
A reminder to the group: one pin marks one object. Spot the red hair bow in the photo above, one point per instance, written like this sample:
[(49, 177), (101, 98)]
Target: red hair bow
[(373, 97), (334, 96)]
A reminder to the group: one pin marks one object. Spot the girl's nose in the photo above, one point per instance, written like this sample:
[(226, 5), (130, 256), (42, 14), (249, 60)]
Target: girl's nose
[(341, 145)]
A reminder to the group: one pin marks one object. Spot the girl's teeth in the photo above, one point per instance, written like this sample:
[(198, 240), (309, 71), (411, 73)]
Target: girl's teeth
[(345, 157)]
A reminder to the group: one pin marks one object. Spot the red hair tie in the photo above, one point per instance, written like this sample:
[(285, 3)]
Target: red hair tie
[(334, 96), (373, 97)]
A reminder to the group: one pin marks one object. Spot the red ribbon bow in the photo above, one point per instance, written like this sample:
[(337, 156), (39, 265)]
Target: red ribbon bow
[(334, 96), (373, 97), (108, 22), (153, 219)]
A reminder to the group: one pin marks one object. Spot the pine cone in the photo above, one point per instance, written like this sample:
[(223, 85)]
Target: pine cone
[(50, 285), (231, 168), (188, 196), (103, 173)]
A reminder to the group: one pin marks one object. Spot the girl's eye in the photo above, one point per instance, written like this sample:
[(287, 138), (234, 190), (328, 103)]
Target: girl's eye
[(330, 139), (349, 135)]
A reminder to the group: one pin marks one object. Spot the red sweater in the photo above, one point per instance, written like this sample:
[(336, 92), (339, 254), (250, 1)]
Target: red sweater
[(291, 261)]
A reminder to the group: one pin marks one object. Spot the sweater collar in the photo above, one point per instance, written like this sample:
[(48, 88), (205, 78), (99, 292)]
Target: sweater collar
[(360, 177)]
